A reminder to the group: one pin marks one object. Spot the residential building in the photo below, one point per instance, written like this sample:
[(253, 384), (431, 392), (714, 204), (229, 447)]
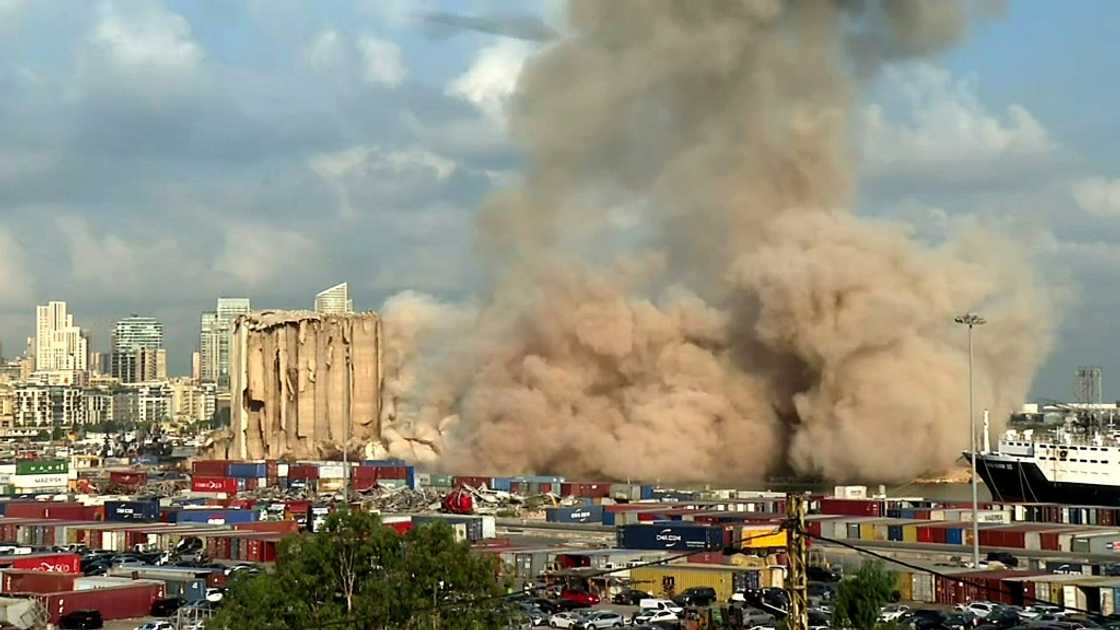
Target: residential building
[(60, 345), (335, 300), (196, 366), (216, 327), (138, 355), (192, 401), (49, 405)]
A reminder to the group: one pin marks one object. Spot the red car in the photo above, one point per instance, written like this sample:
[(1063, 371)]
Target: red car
[(582, 598)]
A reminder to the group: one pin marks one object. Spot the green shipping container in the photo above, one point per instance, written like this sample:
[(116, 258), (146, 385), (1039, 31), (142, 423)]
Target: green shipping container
[(42, 467), (441, 481)]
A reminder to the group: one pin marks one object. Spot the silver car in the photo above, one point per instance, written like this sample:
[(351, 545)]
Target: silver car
[(601, 619)]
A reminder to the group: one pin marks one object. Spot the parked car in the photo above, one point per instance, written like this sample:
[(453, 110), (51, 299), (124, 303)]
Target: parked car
[(601, 619), (1001, 618), (893, 612), (980, 609), (167, 606), (81, 620), (1038, 610), (924, 619), (959, 620), (565, 620), (629, 597), (653, 617), (696, 596), (156, 625), (654, 603), (752, 617), (534, 615), (582, 598), (822, 574)]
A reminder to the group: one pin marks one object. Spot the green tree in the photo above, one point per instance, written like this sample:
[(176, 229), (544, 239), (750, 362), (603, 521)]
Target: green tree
[(860, 597), (357, 573)]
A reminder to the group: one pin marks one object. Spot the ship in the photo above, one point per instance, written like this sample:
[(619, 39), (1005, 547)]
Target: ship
[(1062, 466)]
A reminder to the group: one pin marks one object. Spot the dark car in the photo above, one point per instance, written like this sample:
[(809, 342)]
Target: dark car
[(822, 574), (167, 606), (959, 620), (925, 619), (1003, 558), (1001, 618), (696, 596), (630, 597), (81, 620)]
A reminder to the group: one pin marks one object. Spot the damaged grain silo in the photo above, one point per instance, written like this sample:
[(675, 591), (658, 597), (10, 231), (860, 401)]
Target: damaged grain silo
[(303, 383)]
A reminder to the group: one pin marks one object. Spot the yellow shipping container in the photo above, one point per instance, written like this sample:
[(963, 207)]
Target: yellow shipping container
[(866, 531), (755, 537), (904, 584), (671, 579), (910, 533)]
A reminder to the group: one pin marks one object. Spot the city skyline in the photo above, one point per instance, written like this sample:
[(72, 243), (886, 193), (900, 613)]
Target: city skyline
[(396, 137)]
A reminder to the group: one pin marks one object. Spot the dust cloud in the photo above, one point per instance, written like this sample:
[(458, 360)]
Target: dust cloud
[(679, 289)]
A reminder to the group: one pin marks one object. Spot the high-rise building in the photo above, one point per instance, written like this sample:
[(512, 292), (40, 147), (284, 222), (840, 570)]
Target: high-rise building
[(137, 350), (216, 327), (335, 300), (196, 366), (59, 344)]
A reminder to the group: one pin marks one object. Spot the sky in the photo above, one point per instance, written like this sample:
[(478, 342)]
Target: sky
[(158, 154)]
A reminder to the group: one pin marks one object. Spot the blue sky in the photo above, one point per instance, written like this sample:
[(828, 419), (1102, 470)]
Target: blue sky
[(156, 154)]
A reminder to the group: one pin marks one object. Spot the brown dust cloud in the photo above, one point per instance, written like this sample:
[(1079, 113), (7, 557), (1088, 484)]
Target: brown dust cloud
[(678, 286)]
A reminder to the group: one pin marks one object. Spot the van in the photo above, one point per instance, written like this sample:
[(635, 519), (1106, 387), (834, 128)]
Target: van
[(660, 604)]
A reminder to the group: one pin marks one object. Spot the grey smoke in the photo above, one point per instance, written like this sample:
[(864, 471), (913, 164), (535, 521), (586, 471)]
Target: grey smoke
[(746, 321)]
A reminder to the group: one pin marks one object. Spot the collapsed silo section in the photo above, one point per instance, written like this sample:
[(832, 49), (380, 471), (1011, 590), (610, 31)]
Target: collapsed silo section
[(304, 383)]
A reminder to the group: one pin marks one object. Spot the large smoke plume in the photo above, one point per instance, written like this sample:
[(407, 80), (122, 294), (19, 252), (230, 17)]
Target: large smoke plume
[(679, 287)]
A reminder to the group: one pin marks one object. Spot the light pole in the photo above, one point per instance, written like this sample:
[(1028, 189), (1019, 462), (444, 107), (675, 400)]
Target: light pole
[(972, 320)]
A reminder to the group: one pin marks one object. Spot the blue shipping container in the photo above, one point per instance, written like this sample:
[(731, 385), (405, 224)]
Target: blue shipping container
[(647, 492), (675, 536), (501, 483), (220, 514), (132, 511), (244, 470), (608, 518), (894, 532), (582, 514), (954, 536)]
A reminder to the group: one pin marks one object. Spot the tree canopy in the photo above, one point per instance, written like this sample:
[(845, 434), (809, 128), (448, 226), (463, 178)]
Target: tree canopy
[(860, 598), (358, 573)]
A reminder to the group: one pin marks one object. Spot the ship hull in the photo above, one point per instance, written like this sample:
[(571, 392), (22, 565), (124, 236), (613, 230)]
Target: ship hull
[(1013, 480)]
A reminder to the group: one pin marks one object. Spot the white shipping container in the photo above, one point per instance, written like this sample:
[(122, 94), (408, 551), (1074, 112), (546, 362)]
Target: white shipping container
[(1107, 602), (332, 471), (281, 470), (489, 527), (57, 480), (921, 587), (1034, 540), (850, 492), (8, 469)]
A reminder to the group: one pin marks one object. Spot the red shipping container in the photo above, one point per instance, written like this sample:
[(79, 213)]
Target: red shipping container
[(474, 482), (210, 468), (118, 602), (53, 563), (359, 485), (585, 490), (227, 485), (128, 478), (19, 581), (276, 527), (364, 473), (851, 507), (401, 527), (1049, 541), (303, 471), (709, 557)]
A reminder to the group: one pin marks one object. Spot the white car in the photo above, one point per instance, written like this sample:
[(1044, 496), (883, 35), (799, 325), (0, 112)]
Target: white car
[(565, 620), (980, 609), (214, 595), (156, 625), (1040, 610), (893, 612), (655, 616)]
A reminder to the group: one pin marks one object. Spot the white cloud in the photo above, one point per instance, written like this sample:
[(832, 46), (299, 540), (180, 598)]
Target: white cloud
[(327, 50), (15, 280), (145, 36), (379, 175), (948, 133), (492, 77), (1098, 195), (259, 254), (381, 60)]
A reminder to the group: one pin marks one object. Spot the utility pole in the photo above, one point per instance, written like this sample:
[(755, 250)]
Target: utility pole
[(797, 556), (972, 320)]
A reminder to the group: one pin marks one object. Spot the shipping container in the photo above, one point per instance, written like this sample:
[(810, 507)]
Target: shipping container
[(42, 467), (215, 516), (227, 485), (582, 514), (851, 507), (133, 511), (117, 602), (22, 581), (668, 581), (50, 563), (210, 468), (475, 529), (129, 478), (584, 489), (247, 470), (302, 472), (677, 536)]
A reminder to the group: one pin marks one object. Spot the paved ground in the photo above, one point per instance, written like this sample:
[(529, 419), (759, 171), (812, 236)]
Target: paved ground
[(127, 624)]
